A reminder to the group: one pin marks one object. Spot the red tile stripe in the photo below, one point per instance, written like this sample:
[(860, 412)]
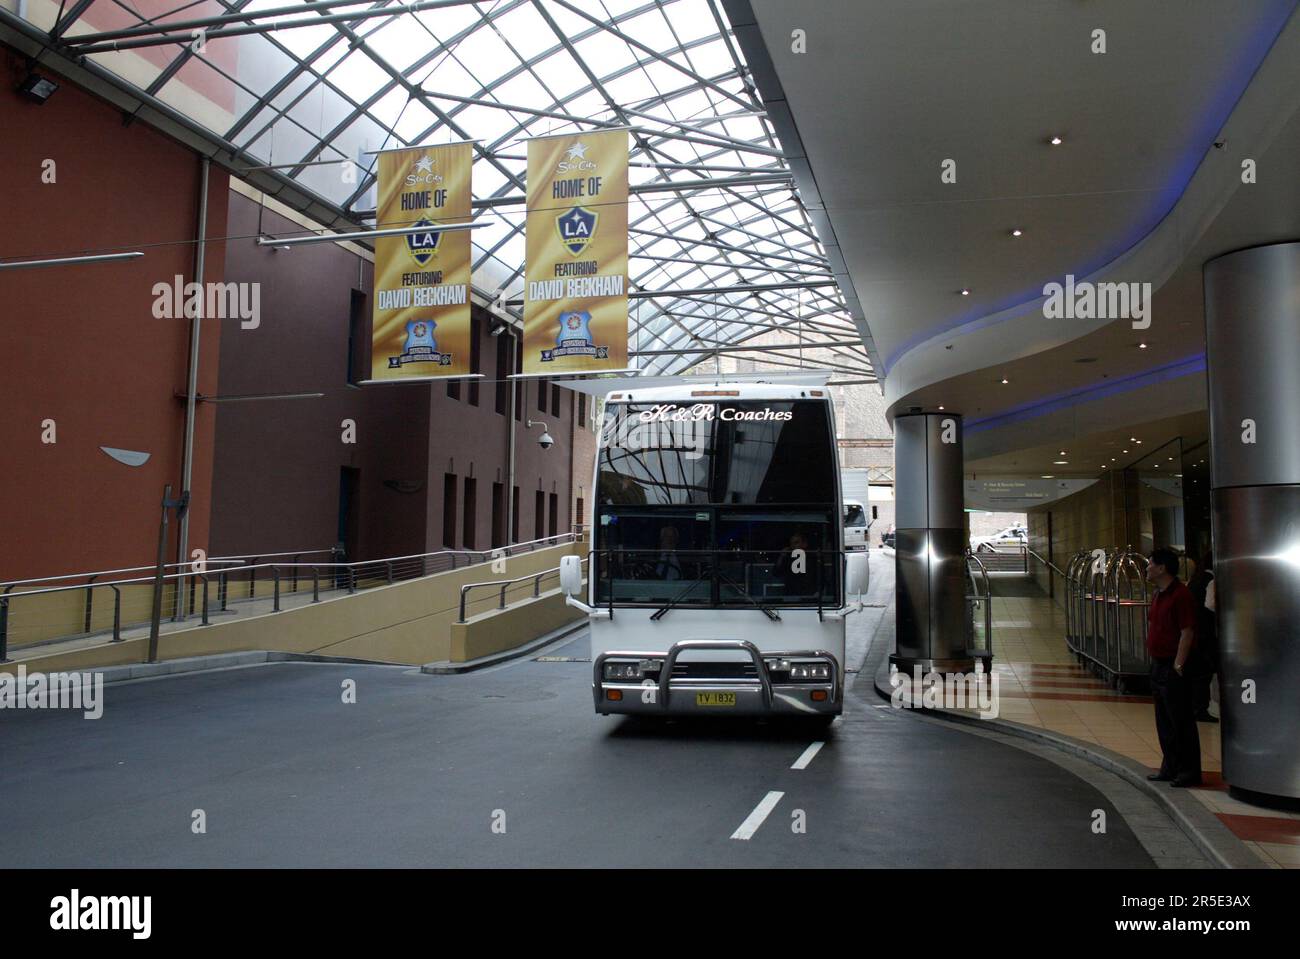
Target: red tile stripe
[(1262, 828)]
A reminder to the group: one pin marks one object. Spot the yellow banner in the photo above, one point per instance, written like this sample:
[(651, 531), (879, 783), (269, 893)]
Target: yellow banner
[(422, 305), (575, 291)]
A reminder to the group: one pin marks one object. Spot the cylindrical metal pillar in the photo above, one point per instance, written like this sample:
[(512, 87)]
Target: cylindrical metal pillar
[(1252, 319), (930, 544)]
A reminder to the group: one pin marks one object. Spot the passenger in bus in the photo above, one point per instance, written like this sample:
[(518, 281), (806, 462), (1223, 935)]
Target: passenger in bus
[(793, 567), (668, 566)]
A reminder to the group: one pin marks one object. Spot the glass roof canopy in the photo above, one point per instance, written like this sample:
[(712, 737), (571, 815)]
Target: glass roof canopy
[(314, 88)]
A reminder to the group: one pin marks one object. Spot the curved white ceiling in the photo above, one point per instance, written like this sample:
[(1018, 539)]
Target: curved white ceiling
[(895, 88)]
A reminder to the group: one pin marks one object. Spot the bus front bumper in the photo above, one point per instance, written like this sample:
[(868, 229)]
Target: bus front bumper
[(804, 683)]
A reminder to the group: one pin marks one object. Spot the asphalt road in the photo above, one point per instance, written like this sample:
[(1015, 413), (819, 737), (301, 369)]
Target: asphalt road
[(510, 767)]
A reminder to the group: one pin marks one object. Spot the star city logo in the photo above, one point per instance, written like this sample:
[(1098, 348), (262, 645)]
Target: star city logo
[(423, 172), (576, 227), (575, 159)]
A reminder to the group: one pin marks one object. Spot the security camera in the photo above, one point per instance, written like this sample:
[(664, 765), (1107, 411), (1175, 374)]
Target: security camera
[(545, 441)]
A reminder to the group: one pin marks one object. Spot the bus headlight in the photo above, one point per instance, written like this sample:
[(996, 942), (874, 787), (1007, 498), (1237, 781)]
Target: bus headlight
[(624, 671), (811, 672)]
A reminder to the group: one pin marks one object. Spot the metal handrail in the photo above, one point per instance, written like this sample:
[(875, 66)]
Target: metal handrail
[(987, 598), (494, 553), (291, 552), (10, 583), (6, 596), (1046, 562), (153, 566), (505, 584)]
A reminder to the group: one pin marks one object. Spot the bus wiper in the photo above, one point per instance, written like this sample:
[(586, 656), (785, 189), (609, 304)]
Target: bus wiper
[(674, 601), (770, 613)]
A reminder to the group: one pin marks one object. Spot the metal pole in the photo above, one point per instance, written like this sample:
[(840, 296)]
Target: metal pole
[(365, 234), (191, 394), (90, 601), (510, 456), (68, 260), (117, 615), (93, 44), (156, 617)]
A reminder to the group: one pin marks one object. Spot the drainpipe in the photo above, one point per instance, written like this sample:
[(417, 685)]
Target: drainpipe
[(191, 394), (510, 455), (573, 443)]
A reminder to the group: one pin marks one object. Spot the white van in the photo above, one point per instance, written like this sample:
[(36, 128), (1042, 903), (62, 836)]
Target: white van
[(855, 525)]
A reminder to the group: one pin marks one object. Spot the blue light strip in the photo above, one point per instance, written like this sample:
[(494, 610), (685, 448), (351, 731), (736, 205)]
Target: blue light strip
[(1028, 411), (1214, 113)]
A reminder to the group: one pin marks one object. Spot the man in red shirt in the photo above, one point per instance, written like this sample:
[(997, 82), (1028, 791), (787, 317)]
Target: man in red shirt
[(1171, 626)]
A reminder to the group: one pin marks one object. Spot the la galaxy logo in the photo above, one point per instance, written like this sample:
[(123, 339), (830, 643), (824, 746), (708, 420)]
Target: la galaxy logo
[(576, 227), (574, 338), (422, 246), (420, 346)]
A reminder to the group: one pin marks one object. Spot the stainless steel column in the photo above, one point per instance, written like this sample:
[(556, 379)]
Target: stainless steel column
[(1252, 317), (930, 543)]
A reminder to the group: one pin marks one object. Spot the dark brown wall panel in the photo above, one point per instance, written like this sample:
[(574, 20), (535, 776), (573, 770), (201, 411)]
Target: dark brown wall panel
[(80, 345), (278, 462)]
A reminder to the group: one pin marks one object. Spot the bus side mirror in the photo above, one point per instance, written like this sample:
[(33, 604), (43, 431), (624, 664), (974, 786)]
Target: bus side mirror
[(571, 575), (857, 573)]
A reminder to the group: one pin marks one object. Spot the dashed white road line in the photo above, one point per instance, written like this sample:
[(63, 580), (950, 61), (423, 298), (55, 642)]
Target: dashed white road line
[(756, 818), (807, 756)]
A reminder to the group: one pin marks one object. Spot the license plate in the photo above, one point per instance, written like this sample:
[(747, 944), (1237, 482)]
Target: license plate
[(715, 699)]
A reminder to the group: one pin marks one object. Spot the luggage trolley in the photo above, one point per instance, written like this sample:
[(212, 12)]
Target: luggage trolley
[(1094, 610), (1127, 602), (1073, 602)]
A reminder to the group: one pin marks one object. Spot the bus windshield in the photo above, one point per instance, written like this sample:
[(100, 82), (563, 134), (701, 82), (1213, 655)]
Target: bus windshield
[(717, 504)]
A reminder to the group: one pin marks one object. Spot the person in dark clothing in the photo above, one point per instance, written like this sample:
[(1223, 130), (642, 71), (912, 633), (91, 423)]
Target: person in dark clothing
[(1171, 635), (792, 568), (1205, 653)]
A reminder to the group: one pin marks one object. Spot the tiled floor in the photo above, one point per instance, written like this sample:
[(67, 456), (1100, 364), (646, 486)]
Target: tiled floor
[(1041, 684)]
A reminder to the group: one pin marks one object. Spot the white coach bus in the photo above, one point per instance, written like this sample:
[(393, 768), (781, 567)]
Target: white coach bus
[(718, 580)]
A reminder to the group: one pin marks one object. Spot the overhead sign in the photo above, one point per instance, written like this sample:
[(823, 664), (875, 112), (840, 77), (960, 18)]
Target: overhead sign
[(421, 315), (575, 291), (1015, 494)]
